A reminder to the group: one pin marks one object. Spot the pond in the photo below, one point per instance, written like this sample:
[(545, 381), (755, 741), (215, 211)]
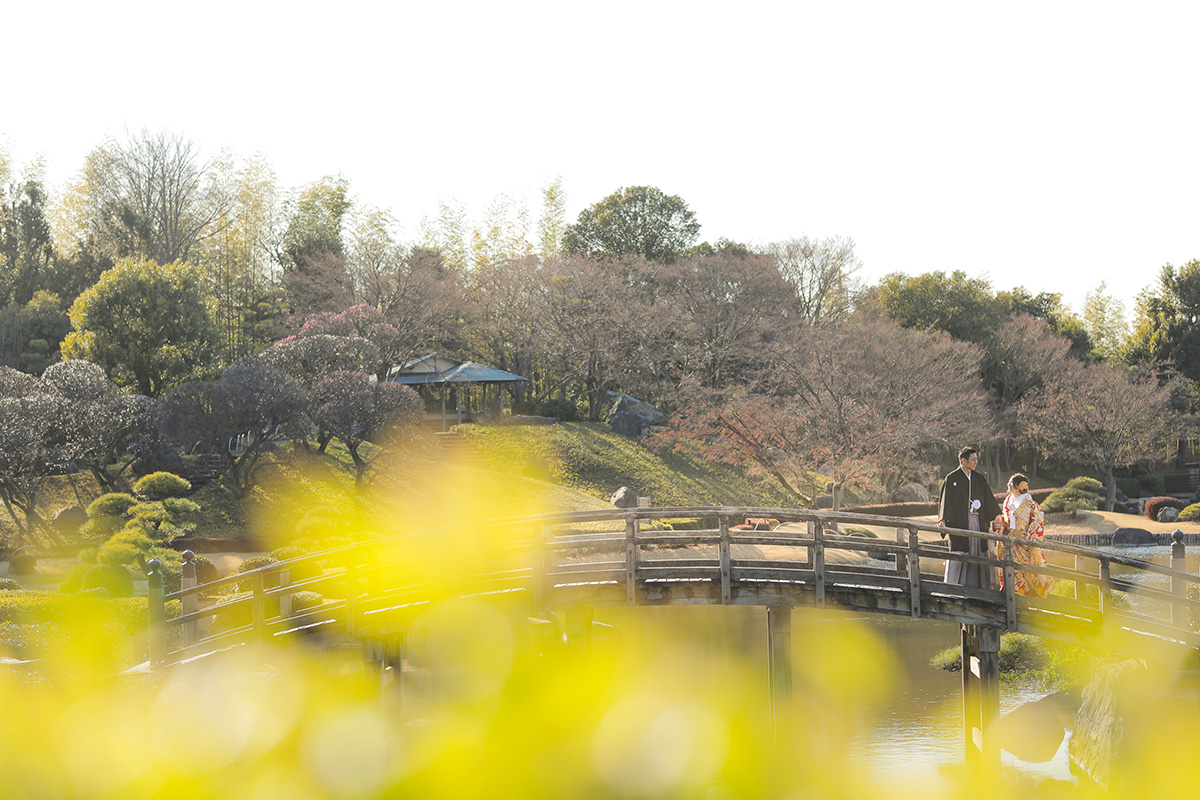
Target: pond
[(908, 733)]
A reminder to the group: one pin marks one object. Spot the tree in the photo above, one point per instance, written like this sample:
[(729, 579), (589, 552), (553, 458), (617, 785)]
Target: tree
[(726, 307), (313, 255), (596, 329), (34, 442), (508, 300), (552, 221), (249, 406), (107, 422), (639, 220), (1167, 328), (365, 322), (311, 357), (1104, 321), (353, 409), (155, 197), (822, 273), (148, 325), (958, 304), (1022, 356), (26, 246), (859, 401), (1100, 416)]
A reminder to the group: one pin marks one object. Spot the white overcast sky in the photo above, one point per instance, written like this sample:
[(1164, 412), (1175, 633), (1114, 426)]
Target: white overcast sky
[(1048, 144)]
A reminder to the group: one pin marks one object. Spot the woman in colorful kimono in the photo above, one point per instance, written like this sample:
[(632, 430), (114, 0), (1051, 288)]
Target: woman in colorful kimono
[(1025, 520)]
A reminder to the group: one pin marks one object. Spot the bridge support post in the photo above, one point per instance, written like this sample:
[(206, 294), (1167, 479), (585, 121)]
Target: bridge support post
[(579, 630), (779, 666), (981, 698)]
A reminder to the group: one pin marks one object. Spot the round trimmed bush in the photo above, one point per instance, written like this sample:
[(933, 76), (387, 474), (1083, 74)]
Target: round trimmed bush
[(113, 578), (564, 409), (113, 504), (160, 485), (1190, 514), (9, 585), (22, 564), (1156, 504), (270, 581), (304, 601)]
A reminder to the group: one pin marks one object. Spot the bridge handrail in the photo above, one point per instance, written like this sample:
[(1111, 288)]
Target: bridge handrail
[(816, 539)]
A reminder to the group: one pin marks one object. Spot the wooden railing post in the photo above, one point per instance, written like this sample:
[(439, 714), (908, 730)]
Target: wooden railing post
[(157, 613), (258, 608), (1010, 588), (1105, 586), (914, 572), (285, 592), (726, 564), (981, 698), (352, 598), (1080, 593), (191, 601), (540, 571), (819, 563), (631, 559), (1178, 585)]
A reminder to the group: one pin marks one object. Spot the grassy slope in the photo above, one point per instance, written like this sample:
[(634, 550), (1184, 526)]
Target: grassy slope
[(591, 458)]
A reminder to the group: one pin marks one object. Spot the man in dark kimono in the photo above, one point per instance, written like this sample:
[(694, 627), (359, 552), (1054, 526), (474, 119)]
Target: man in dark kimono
[(966, 499)]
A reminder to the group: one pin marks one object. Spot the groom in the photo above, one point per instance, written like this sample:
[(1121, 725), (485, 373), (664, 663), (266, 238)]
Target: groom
[(965, 499)]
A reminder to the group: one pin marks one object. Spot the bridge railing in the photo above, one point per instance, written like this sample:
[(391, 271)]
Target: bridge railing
[(674, 555)]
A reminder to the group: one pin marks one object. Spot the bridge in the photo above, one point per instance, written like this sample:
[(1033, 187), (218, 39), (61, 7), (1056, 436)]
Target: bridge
[(561, 567)]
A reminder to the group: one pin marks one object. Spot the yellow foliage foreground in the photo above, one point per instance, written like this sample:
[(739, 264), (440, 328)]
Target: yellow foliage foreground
[(496, 711)]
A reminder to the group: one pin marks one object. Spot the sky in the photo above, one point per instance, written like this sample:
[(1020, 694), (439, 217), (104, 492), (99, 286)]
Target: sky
[(1051, 145)]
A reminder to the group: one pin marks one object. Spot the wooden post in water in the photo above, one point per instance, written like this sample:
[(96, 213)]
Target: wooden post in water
[(981, 697), (631, 559), (779, 675), (579, 630)]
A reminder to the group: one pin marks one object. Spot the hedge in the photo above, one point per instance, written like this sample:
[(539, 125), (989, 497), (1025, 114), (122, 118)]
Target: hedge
[(1155, 504)]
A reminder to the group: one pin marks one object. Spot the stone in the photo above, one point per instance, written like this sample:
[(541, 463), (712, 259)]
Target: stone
[(1097, 740), (1130, 537), (824, 501), (624, 498), (69, 519), (1168, 514), (911, 493), (632, 417), (1034, 731)]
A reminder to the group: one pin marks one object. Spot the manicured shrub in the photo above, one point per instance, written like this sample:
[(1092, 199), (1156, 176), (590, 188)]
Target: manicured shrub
[(1156, 504), (9, 585), (99, 529), (113, 504), (297, 572), (113, 578), (22, 564), (270, 581), (1190, 514), (304, 601), (158, 485), (1079, 494), (565, 410)]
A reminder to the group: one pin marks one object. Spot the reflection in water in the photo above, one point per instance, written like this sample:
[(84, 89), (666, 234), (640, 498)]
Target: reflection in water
[(909, 734)]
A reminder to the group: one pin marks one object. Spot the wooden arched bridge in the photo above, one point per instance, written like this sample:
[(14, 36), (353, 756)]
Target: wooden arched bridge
[(561, 567)]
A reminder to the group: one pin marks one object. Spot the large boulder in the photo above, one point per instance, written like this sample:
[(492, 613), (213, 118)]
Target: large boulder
[(624, 498), (911, 493), (630, 416), (1132, 537), (1168, 514), (69, 520)]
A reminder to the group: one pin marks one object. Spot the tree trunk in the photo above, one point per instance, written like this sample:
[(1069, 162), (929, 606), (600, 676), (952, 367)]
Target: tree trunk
[(1110, 480)]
